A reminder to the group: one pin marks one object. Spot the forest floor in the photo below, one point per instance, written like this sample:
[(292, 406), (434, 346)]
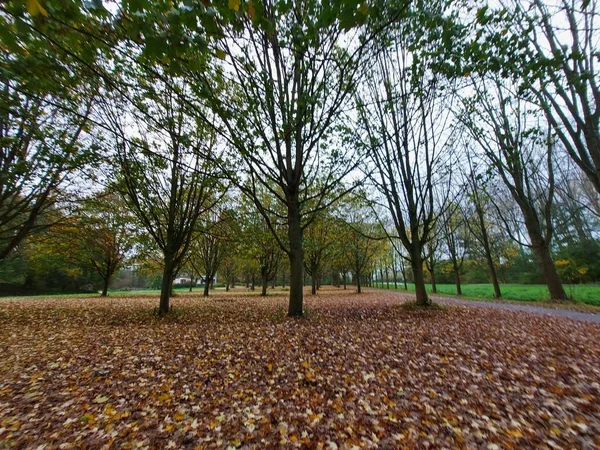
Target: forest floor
[(233, 371)]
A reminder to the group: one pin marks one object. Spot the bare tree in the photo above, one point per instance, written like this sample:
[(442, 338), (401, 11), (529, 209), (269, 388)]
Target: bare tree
[(561, 72), (455, 235), (521, 153), (405, 131)]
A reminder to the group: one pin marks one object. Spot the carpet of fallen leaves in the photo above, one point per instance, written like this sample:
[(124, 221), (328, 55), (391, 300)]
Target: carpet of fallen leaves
[(233, 371)]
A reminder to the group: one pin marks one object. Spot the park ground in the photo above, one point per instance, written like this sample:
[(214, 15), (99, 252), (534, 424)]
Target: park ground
[(232, 371)]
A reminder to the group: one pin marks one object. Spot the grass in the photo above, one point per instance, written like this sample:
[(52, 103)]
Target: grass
[(583, 293)]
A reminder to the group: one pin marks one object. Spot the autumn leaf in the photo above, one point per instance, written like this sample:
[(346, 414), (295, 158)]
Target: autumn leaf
[(234, 4), (35, 8)]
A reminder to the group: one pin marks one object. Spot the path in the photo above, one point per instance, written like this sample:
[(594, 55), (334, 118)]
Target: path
[(554, 312)]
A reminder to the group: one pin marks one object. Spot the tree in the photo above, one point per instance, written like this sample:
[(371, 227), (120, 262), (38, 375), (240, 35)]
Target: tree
[(292, 67), (521, 153), (47, 91), (261, 246), (318, 240), (363, 237), (455, 235), (559, 70), (102, 231), (166, 173), (476, 219), (404, 126), (42, 143)]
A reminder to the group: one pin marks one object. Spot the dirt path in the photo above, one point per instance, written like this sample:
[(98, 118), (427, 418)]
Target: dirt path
[(553, 312)]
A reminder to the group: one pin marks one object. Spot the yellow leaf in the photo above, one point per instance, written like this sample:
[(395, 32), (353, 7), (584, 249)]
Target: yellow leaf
[(179, 417), (34, 8), (251, 10), (305, 364), (515, 433), (234, 4), (270, 367)]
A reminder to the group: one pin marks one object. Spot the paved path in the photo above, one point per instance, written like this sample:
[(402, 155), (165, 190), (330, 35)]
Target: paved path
[(554, 312)]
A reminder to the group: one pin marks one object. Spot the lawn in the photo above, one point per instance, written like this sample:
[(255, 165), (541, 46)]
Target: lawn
[(232, 371), (584, 293)]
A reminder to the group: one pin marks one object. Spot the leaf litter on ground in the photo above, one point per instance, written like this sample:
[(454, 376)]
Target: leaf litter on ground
[(232, 371)]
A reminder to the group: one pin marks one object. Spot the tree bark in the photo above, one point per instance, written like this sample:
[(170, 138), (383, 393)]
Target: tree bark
[(544, 259), (488, 252), (457, 278), (105, 287), (206, 287), (418, 273), (433, 283), (358, 286), (166, 286), (265, 284), (296, 257)]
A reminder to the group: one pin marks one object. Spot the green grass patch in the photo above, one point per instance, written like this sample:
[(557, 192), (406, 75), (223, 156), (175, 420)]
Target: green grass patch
[(582, 293)]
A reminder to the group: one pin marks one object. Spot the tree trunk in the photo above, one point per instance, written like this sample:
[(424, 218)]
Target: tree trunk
[(265, 284), (358, 287), (313, 287), (457, 278), (488, 253), (418, 273), (105, 287), (296, 256), (206, 288), (544, 259), (227, 287), (166, 286), (344, 277), (433, 283)]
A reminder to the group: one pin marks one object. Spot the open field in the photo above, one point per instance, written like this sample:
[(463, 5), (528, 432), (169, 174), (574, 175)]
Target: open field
[(233, 371), (584, 293)]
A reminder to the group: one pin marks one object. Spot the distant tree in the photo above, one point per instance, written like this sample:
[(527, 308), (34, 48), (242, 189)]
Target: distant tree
[(318, 240), (164, 171), (455, 235), (364, 238), (260, 245), (102, 231), (404, 126), (476, 218), (216, 230), (521, 154)]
